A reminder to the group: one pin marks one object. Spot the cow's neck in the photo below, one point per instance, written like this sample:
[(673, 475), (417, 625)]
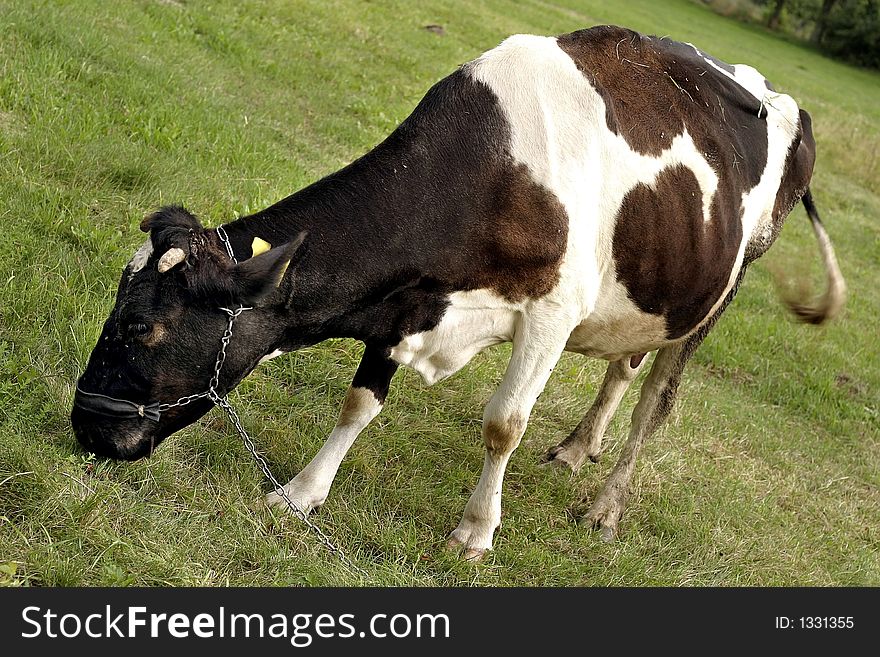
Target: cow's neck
[(360, 272)]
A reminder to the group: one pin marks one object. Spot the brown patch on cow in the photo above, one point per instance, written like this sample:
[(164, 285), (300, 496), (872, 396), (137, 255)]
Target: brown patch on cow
[(640, 102), (357, 401), (671, 261), (654, 89), (525, 233), (502, 437), (156, 335)]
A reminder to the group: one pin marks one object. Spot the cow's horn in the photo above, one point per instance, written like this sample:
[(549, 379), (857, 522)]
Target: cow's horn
[(172, 257)]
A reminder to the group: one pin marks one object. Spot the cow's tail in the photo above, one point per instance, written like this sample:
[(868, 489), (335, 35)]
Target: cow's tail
[(829, 304)]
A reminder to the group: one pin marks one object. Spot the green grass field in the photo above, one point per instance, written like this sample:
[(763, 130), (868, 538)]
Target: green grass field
[(767, 473)]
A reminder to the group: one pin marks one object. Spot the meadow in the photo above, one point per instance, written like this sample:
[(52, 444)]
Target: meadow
[(766, 474)]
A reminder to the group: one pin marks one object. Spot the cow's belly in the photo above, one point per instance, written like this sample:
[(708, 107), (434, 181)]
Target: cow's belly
[(473, 321), (613, 338), (615, 328)]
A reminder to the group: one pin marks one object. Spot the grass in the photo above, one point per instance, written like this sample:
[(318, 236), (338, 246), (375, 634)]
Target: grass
[(766, 473)]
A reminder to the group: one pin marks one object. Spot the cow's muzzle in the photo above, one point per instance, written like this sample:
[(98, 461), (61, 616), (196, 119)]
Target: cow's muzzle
[(128, 438)]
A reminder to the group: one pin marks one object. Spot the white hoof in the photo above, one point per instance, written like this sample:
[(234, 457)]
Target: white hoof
[(304, 499), (472, 538)]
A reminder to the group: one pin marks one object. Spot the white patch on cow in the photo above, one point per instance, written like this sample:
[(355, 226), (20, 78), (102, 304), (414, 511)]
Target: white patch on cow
[(720, 69), (311, 486), (473, 321), (274, 354), (617, 328), (139, 260)]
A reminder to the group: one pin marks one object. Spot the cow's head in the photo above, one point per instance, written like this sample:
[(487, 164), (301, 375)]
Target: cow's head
[(161, 341)]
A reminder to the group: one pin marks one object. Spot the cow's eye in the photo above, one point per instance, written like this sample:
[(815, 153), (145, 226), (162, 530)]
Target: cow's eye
[(138, 330)]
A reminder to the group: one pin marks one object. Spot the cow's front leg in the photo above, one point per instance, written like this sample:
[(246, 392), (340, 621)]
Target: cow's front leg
[(536, 349), (363, 401)]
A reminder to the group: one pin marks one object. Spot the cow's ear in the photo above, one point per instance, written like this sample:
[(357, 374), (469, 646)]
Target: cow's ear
[(257, 277)]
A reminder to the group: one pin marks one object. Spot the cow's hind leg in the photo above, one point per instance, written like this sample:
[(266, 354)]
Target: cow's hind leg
[(655, 401), (363, 401), (586, 440), (537, 346)]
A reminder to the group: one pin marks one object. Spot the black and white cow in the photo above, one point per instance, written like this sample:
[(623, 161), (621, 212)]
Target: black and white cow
[(601, 192)]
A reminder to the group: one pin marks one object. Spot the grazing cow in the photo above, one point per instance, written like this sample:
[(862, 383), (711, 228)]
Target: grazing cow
[(601, 192)]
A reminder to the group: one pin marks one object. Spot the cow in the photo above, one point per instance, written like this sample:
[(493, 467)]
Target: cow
[(601, 192)]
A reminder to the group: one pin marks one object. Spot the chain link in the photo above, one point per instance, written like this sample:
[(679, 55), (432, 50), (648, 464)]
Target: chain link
[(183, 401), (223, 403), (221, 233), (224, 343)]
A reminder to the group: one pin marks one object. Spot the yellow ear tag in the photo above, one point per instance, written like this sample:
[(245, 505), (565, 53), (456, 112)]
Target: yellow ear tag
[(259, 246)]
